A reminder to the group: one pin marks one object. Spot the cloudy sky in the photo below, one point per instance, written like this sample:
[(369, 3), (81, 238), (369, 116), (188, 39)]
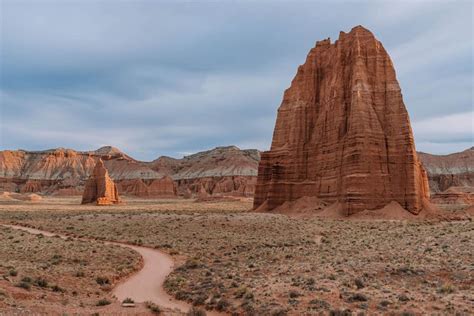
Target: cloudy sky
[(171, 78)]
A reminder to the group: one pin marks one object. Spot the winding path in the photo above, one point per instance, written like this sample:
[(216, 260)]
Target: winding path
[(146, 284)]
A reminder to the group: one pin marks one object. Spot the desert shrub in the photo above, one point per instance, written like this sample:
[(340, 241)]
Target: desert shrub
[(79, 274), (13, 272), (24, 285), (102, 280), (103, 302), (199, 299), (249, 296), (191, 264), (222, 304), (446, 289), (338, 312), (240, 292), (359, 283), (26, 279), (56, 259), (319, 303), (181, 295), (403, 298), (155, 309), (278, 312), (248, 307), (41, 282), (56, 288), (293, 294), (128, 300), (195, 311), (359, 297)]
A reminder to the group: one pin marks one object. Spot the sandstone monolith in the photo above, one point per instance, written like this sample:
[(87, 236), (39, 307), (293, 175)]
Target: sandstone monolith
[(100, 188), (343, 133)]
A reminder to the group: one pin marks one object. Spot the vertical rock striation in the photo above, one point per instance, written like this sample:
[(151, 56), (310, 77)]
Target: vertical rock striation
[(343, 133), (100, 188)]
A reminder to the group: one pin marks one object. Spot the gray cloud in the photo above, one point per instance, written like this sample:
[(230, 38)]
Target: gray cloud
[(169, 78)]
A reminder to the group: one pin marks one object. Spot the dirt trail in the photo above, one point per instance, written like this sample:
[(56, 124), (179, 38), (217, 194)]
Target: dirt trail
[(146, 284)]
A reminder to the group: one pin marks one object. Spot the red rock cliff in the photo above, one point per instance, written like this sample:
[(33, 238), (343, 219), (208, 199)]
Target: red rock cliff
[(343, 133)]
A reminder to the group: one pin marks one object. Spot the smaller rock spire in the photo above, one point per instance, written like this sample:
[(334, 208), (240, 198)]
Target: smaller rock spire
[(100, 188)]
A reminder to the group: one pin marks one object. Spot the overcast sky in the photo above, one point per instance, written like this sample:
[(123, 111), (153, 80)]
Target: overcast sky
[(171, 78)]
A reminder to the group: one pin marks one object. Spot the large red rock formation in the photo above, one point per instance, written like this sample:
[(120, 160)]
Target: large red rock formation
[(100, 188), (343, 133)]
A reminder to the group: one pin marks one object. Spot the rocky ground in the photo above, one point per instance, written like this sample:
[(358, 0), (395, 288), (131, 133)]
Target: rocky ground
[(263, 264)]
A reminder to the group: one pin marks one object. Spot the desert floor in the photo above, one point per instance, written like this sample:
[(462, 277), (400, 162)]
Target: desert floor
[(231, 260)]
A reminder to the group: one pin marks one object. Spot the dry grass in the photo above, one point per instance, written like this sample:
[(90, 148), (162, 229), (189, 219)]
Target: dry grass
[(242, 262)]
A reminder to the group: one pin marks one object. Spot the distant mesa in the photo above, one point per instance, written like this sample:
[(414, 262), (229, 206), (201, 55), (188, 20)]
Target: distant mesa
[(63, 172), (100, 188), (343, 134), (453, 170)]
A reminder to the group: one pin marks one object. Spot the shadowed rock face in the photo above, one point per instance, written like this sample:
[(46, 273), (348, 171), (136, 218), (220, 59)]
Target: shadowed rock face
[(100, 188), (343, 133)]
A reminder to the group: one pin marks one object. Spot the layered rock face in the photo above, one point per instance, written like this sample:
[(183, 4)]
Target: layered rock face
[(451, 177), (343, 133), (164, 187), (455, 195), (218, 186), (222, 171), (31, 186), (453, 170), (100, 188)]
